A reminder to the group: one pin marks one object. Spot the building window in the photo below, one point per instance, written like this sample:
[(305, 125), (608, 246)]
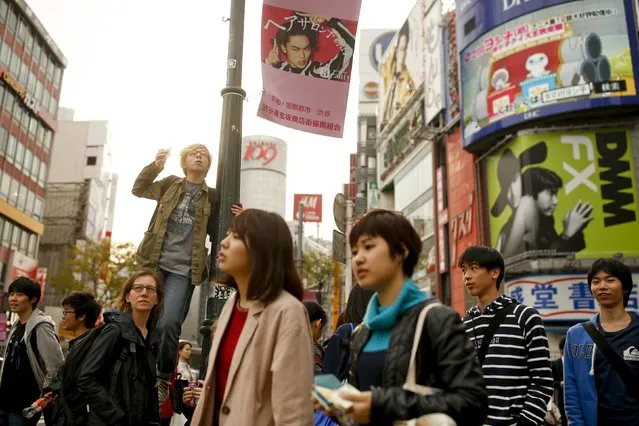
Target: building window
[(33, 126), (38, 91), (42, 178), (22, 30), (19, 155), (371, 133), (13, 191), (24, 123), (46, 99), (37, 49), (11, 148), (28, 160), (50, 67), (47, 139), (24, 73), (362, 160), (15, 237), (31, 250), (9, 100), (28, 45), (35, 168), (57, 78), (15, 64), (29, 205), (5, 183), (24, 242), (92, 160), (53, 108), (39, 133), (37, 208), (372, 162), (6, 233), (12, 20), (5, 54), (3, 10), (3, 140)]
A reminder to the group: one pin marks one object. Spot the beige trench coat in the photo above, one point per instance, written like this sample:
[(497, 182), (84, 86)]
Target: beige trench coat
[(271, 375)]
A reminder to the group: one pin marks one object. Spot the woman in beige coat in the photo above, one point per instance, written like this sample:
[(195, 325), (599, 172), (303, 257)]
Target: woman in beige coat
[(260, 368)]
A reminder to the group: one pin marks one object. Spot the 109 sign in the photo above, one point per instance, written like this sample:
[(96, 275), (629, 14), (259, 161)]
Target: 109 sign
[(260, 151)]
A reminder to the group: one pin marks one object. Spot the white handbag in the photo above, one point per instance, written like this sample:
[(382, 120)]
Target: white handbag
[(433, 419)]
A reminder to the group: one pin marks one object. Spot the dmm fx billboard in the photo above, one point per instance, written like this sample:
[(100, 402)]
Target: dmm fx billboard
[(312, 207), (561, 297), (530, 59), (564, 192)]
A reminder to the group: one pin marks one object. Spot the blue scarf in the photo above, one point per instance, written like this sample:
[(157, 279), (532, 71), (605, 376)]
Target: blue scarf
[(380, 320)]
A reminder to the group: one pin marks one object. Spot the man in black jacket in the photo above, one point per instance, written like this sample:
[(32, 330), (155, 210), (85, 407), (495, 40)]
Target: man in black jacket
[(557, 366)]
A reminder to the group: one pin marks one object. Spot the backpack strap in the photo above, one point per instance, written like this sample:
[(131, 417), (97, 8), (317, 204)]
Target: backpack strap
[(118, 365), (626, 373), (493, 326)]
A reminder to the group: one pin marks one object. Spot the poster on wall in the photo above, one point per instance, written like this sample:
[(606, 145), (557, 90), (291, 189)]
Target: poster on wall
[(569, 192), (307, 58), (565, 57), (372, 45), (561, 297), (401, 68), (433, 60)]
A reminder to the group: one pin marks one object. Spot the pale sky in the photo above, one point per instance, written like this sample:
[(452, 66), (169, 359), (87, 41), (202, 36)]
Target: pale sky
[(154, 69)]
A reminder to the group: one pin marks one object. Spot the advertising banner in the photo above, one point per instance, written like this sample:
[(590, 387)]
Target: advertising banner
[(312, 207), (307, 57), (561, 297), (401, 69), (372, 45), (433, 60), (569, 192), (562, 58)]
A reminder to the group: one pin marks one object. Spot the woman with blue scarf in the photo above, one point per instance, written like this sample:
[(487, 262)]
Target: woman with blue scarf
[(386, 249)]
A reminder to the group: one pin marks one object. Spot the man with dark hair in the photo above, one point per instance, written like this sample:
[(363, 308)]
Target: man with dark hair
[(318, 319), (557, 366), (601, 361), (511, 343), (79, 316), (533, 225), (32, 356), (298, 42)]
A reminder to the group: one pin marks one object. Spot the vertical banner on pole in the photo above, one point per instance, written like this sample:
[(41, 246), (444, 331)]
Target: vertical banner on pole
[(307, 58)]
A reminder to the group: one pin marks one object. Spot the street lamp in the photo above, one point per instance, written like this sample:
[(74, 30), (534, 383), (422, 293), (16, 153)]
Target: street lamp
[(228, 169)]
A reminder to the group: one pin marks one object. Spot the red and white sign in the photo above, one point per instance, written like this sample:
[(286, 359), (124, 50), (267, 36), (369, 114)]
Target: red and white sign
[(22, 265), (260, 152), (312, 207)]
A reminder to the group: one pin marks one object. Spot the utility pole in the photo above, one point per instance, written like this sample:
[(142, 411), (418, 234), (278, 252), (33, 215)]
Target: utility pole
[(300, 241), (228, 170), (349, 267)]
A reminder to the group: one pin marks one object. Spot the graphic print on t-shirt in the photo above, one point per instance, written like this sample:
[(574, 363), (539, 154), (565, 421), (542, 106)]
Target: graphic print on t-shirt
[(631, 354)]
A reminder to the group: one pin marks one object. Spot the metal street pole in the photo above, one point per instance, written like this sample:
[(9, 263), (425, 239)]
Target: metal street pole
[(228, 169), (349, 267), (300, 241)]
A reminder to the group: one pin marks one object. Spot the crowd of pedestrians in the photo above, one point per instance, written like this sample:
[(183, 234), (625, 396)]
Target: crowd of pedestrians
[(396, 353)]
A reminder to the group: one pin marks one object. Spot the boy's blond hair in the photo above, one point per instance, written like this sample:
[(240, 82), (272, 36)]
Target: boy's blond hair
[(185, 152)]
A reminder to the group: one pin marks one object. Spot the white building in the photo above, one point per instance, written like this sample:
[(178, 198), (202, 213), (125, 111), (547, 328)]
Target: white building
[(263, 175)]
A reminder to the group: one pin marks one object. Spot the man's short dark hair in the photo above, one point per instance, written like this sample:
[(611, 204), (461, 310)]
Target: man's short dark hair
[(562, 344), (296, 28), (537, 179), (485, 257), (616, 269), (83, 303), (316, 312), (396, 230), (28, 287)]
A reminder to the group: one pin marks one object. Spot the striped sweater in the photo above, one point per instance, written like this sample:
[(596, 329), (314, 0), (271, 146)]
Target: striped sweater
[(517, 369)]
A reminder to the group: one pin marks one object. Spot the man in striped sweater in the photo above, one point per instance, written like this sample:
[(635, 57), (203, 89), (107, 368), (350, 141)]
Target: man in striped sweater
[(516, 364)]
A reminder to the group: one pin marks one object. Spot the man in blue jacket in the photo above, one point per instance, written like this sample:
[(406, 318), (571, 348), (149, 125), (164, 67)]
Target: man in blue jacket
[(594, 393)]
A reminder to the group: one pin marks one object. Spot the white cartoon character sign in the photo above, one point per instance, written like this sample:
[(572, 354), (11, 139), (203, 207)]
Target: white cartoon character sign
[(536, 65)]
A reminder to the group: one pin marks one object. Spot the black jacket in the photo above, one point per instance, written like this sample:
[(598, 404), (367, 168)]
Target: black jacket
[(133, 399), (445, 360)]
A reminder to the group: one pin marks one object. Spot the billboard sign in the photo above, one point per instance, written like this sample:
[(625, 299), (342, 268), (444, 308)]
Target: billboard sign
[(561, 297), (263, 152), (433, 61), (555, 57), (312, 207), (401, 68), (372, 45), (569, 192), (307, 57)]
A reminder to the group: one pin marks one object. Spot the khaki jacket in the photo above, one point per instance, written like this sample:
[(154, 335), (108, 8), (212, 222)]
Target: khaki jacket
[(168, 192), (271, 375)]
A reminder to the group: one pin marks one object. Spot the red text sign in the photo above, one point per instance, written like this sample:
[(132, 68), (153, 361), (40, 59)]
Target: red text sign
[(260, 151), (312, 207)]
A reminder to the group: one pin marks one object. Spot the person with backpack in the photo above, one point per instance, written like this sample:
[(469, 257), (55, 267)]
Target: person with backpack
[(32, 355), (511, 343), (318, 319), (601, 360), (174, 243), (79, 316), (118, 376), (336, 348), (407, 342)]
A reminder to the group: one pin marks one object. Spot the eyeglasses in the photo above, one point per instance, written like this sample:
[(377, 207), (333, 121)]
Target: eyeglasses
[(200, 152), (65, 313), (140, 288)]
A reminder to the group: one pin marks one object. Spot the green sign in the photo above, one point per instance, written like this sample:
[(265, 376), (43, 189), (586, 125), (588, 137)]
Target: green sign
[(569, 192)]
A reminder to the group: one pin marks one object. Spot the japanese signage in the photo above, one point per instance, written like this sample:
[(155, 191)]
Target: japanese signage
[(442, 220), (29, 102), (372, 45), (433, 60), (401, 68), (262, 152), (561, 297), (564, 192), (567, 57), (312, 207), (307, 56)]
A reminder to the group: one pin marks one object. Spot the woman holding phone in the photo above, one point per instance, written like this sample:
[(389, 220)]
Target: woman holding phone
[(260, 369), (386, 249)]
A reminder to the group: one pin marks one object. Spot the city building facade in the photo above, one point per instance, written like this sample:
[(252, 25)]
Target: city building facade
[(31, 70)]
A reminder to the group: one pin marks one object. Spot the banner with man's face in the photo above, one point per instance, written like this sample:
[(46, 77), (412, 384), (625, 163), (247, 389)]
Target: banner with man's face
[(568, 192), (307, 58)]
